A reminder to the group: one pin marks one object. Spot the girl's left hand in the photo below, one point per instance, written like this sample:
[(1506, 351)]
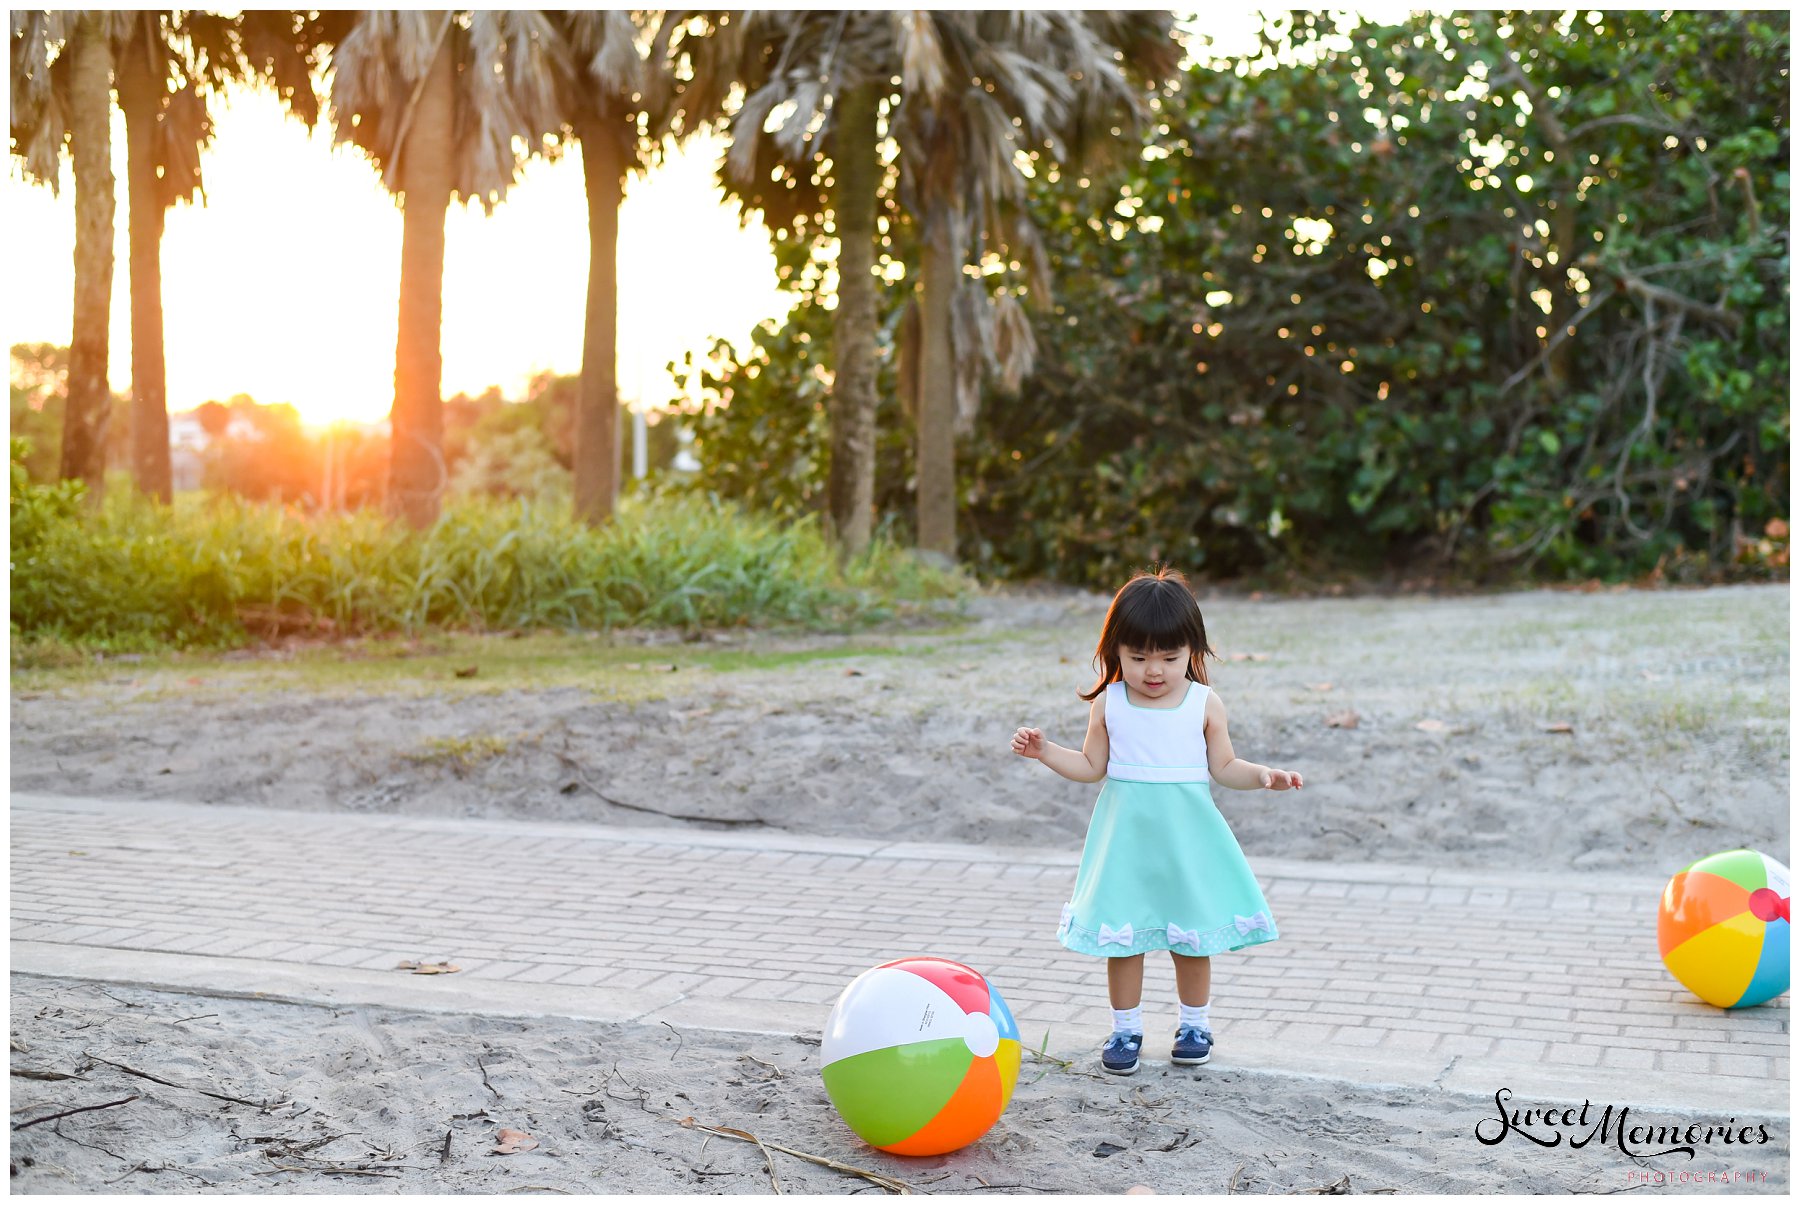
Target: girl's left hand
[(1281, 780)]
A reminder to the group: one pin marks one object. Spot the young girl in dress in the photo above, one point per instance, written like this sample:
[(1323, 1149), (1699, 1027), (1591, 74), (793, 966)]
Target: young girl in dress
[(1160, 869)]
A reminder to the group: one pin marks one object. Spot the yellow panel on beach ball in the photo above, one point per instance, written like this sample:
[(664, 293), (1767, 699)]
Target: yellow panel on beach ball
[(1717, 964)]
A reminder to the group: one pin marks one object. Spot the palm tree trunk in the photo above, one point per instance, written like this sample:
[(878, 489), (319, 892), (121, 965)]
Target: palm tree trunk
[(90, 121), (597, 405), (940, 273), (850, 487), (416, 455), (139, 92)]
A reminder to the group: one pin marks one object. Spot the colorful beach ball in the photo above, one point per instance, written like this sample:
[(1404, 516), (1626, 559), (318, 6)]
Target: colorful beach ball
[(1723, 928), (920, 1056)]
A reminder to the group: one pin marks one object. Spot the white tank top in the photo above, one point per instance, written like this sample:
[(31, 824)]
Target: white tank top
[(1156, 744)]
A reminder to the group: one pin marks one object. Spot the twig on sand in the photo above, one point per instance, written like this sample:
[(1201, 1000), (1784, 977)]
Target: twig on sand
[(484, 1078), (887, 1182), (1232, 1187), (638, 807), (201, 1017), (770, 1066), (32, 1073), (20, 1125), (641, 1099), (166, 1167), (332, 1171), (236, 1100), (444, 1155), (677, 1034)]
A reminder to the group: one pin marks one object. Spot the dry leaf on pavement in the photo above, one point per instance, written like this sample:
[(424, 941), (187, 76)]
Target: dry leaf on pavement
[(1342, 719), (428, 968), (1560, 726), (1431, 725)]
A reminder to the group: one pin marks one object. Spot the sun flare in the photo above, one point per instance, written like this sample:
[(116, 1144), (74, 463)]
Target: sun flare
[(284, 284)]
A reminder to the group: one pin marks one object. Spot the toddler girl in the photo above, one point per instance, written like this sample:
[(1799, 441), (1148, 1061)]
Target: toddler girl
[(1160, 870)]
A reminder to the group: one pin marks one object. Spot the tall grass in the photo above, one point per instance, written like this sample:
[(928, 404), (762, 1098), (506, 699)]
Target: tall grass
[(218, 571)]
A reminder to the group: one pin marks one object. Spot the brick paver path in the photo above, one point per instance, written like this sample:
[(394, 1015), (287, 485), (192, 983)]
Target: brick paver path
[(1549, 985)]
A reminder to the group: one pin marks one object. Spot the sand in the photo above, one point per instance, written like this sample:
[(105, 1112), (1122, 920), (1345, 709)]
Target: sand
[(362, 1101), (1675, 704)]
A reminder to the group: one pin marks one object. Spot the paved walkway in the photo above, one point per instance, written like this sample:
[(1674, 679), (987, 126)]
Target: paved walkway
[(1547, 984)]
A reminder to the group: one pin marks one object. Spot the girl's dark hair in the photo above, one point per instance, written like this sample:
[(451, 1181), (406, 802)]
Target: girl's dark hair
[(1153, 613)]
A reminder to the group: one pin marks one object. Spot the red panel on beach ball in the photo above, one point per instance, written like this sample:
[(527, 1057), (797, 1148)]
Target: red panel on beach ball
[(962, 984)]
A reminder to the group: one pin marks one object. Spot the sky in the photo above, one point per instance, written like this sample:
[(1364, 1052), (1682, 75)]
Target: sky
[(284, 284)]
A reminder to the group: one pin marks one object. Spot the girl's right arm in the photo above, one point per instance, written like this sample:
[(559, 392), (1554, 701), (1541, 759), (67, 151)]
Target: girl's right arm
[(1088, 764)]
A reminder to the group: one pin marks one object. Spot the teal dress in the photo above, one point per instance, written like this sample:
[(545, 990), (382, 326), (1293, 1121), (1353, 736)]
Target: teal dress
[(1161, 869)]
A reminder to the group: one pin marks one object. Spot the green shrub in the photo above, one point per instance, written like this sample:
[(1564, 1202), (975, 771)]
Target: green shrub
[(218, 571)]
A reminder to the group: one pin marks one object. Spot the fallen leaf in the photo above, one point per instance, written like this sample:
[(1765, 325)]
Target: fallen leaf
[(1342, 719), (1107, 1150), (428, 968), (853, 673), (1560, 726), (468, 671), (1318, 686), (966, 665), (1431, 725), (695, 714), (512, 1142)]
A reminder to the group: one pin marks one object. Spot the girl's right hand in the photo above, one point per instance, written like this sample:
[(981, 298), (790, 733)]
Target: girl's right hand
[(1029, 742)]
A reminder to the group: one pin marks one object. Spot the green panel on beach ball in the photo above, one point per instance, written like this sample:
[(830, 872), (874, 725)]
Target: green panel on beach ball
[(888, 1095), (1744, 867)]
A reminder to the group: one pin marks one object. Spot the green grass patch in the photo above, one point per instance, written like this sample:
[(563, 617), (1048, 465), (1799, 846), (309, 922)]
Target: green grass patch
[(449, 663), (460, 754), (132, 576)]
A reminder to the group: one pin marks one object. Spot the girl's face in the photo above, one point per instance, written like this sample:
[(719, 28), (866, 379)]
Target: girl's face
[(1154, 675)]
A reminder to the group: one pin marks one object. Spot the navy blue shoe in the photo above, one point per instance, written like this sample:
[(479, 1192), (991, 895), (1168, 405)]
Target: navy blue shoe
[(1193, 1046), (1120, 1054)]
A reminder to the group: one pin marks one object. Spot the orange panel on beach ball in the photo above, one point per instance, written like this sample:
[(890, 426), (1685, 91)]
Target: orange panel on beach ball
[(1694, 902), (968, 1116)]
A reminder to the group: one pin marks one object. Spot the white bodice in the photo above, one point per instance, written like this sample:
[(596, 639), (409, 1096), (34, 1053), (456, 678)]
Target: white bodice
[(1156, 744)]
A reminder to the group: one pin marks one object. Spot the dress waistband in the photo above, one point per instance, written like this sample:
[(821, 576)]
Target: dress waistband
[(1126, 772)]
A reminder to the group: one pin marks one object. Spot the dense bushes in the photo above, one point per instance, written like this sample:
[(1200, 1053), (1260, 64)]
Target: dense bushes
[(210, 571), (1321, 326)]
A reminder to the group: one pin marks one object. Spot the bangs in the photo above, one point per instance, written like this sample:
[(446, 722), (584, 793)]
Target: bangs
[(1159, 619)]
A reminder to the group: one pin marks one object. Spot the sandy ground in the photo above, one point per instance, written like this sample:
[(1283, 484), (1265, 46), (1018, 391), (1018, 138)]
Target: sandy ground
[(1677, 710), (1677, 705), (363, 1100)]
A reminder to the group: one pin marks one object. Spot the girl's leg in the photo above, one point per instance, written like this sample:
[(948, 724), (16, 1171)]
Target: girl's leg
[(1193, 979), (1125, 981)]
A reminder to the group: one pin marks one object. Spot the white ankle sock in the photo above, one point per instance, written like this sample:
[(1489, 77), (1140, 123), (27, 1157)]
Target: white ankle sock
[(1128, 1020), (1195, 1015)]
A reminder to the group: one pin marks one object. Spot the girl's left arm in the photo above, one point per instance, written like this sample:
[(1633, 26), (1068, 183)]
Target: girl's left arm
[(1227, 768)]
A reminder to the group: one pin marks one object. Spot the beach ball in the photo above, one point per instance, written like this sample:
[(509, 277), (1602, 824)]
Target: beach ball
[(920, 1056), (1723, 928)]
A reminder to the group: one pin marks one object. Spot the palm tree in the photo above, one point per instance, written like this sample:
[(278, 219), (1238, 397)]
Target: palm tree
[(161, 61), (821, 163), (1052, 79), (170, 65), (62, 92), (436, 100), (600, 99), (1034, 79)]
